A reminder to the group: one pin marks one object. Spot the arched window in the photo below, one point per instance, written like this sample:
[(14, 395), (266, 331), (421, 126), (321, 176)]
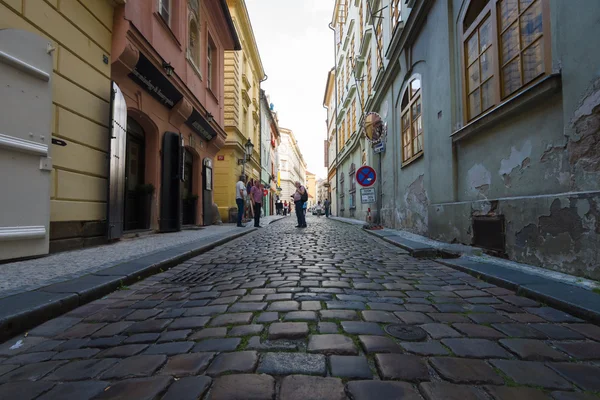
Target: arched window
[(505, 48), (412, 121), (194, 33)]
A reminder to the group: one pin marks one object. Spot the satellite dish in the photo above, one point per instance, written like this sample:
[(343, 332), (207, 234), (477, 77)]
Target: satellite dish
[(384, 110)]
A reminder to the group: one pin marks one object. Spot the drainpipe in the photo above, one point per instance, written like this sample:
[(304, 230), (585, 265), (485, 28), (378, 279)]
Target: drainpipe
[(337, 179), (260, 132)]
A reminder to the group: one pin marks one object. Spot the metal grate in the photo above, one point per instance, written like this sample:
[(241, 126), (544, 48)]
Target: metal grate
[(489, 233)]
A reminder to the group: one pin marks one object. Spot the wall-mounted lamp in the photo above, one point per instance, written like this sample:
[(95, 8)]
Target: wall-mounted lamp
[(209, 117), (168, 68)]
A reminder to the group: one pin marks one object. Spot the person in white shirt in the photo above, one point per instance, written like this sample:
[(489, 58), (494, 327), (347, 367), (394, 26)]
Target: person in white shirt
[(240, 195)]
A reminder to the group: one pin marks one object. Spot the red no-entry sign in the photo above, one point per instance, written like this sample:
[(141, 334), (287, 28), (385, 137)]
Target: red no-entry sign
[(265, 192), (366, 176)]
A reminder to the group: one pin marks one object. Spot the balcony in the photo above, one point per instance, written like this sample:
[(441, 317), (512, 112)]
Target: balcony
[(245, 81), (245, 97), (348, 34)]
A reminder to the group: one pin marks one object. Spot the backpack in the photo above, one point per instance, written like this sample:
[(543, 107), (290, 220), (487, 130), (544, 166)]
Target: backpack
[(304, 197)]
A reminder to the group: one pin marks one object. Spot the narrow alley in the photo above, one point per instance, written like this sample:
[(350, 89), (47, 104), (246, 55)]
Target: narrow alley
[(327, 312)]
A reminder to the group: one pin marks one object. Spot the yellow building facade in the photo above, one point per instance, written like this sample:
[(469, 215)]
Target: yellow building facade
[(311, 186), (243, 74), (80, 35)]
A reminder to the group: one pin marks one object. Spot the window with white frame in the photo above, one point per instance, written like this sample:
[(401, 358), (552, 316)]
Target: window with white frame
[(164, 10)]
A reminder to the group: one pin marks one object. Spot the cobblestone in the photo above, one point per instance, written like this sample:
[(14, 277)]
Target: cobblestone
[(317, 301)]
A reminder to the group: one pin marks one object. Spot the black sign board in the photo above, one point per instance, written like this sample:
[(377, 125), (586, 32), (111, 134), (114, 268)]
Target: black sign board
[(201, 126), (154, 82)]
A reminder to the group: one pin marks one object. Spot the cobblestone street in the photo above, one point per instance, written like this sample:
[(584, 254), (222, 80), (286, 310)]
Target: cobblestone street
[(304, 314)]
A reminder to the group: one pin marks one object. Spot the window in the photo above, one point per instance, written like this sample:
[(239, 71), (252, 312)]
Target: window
[(353, 117), (506, 47), (362, 93), (361, 18), (412, 122), (352, 53), (352, 191), (369, 75), (210, 64), (194, 41), (164, 9), (395, 13), (379, 44), (348, 69)]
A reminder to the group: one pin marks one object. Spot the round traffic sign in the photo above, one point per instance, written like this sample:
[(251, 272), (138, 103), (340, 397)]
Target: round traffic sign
[(366, 176), (265, 192)]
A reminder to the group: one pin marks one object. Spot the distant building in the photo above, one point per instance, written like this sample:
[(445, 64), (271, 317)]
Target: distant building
[(269, 140), (292, 166), (311, 186)]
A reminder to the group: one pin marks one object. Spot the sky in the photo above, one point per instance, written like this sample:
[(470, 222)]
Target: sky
[(296, 49)]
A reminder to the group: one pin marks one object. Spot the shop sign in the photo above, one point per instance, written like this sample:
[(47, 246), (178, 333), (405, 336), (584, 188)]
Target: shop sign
[(154, 82), (199, 124)]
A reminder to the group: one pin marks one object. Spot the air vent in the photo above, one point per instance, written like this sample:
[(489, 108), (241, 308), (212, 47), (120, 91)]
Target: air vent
[(490, 233)]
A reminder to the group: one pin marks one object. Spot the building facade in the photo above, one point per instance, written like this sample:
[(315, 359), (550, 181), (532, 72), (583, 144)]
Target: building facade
[(322, 192), (331, 149), (269, 139), (311, 186), (292, 166), (243, 74), (169, 66), (492, 111), (63, 205)]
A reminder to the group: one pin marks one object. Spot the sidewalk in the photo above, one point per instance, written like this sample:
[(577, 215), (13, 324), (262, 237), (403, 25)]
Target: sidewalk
[(573, 294)]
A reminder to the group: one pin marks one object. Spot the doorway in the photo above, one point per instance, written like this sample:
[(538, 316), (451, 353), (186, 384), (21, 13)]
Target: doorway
[(138, 196), (190, 200), (207, 196)]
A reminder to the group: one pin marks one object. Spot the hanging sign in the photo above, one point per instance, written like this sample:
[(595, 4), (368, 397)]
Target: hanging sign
[(367, 195), (155, 82), (366, 176)]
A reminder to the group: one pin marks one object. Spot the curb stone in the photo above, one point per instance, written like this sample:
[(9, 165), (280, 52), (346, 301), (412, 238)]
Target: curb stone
[(26, 310)]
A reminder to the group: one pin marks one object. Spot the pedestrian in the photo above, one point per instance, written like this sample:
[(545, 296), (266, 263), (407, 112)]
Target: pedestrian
[(300, 197), (326, 204), (249, 202), (257, 197), (285, 208), (319, 208), (240, 195)]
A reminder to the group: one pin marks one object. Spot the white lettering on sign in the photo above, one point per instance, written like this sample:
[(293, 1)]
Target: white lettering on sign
[(153, 88), (201, 129), (367, 195)]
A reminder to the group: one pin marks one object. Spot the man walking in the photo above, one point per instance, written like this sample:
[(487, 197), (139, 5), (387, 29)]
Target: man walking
[(240, 194), (326, 204), (300, 197), (257, 197)]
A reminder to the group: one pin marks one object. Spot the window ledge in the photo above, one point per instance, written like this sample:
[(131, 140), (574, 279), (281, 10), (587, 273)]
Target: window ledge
[(412, 159), (165, 25), (194, 66), (539, 91)]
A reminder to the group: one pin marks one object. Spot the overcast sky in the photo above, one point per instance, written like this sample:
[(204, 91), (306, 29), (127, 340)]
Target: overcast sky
[(296, 48)]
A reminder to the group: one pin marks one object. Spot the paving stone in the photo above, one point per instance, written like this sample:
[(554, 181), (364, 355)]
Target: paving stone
[(422, 308), (140, 315), (532, 350), (327, 327), (254, 343), (519, 331), (531, 373), (288, 330), (243, 387), (449, 391), (224, 300), (519, 301), (348, 315), (302, 387), (515, 393), (31, 372), (382, 390), (245, 330), (589, 330), (311, 305), (552, 315), (331, 344), (55, 326), (461, 370), (448, 317), (248, 306), (188, 323), (231, 319), (170, 349), (580, 350), (106, 342), (380, 316), (558, 332), (279, 296), (385, 307), (150, 326), (188, 388), (228, 344), (284, 306), (142, 338), (587, 377), (362, 328), (573, 396), (403, 367), (127, 350), (267, 317), (488, 318), (292, 363), (4, 368), (239, 362), (379, 344), (136, 366), (80, 330), (75, 354), (352, 367), (253, 298), (526, 318), (345, 305), (74, 390), (478, 331), (187, 364), (411, 317), (439, 331), (30, 358), (138, 389), (81, 370), (209, 333), (431, 348), (24, 390), (335, 284), (112, 329), (301, 316), (313, 296), (173, 336), (204, 311), (475, 348)]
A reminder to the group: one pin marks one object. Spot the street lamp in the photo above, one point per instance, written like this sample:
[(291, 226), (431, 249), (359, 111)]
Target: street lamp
[(249, 148)]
